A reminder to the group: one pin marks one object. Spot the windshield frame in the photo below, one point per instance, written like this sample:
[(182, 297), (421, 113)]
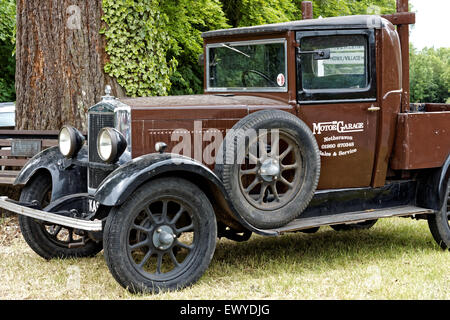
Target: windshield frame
[(246, 89)]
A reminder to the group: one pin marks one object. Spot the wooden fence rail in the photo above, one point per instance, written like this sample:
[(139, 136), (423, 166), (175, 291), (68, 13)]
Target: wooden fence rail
[(13, 160)]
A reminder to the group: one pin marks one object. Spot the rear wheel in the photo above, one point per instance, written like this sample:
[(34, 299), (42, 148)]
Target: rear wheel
[(162, 238), (439, 222), (49, 240)]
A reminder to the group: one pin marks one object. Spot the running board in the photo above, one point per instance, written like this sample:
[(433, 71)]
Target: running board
[(81, 224), (350, 217)]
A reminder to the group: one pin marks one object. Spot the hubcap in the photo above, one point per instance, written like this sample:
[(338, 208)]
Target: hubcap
[(163, 237), (270, 169)]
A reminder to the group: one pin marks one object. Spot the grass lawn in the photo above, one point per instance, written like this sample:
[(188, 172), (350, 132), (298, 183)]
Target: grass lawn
[(396, 259)]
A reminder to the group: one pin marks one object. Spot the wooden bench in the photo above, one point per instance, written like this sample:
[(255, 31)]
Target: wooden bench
[(12, 154)]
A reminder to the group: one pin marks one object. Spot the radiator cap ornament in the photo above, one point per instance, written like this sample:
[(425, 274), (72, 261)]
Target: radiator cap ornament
[(108, 95)]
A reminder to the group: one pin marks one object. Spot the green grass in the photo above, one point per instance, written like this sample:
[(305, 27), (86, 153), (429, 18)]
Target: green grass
[(396, 259)]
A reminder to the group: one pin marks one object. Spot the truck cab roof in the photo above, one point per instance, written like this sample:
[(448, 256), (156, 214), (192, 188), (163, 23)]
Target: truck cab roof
[(345, 22)]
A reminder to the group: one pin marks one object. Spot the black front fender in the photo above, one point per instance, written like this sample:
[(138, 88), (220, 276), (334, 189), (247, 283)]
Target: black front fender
[(67, 178), (123, 181)]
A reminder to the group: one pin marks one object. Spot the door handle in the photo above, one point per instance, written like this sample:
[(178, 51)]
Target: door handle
[(373, 108)]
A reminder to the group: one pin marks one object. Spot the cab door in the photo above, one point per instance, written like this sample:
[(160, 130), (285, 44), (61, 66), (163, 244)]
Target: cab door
[(336, 96)]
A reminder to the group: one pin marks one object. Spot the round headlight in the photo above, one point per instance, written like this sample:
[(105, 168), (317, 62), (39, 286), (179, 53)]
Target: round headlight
[(70, 141), (110, 144)]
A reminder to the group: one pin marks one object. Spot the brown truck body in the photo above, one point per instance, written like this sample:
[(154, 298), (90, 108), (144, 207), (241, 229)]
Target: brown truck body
[(391, 139), (346, 148), (422, 139)]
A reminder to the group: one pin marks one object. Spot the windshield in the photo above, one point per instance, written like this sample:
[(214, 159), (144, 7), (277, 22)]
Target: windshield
[(247, 66)]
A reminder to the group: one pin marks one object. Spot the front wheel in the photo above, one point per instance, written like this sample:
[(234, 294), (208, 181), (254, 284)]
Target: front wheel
[(162, 238), (439, 222), (49, 240)]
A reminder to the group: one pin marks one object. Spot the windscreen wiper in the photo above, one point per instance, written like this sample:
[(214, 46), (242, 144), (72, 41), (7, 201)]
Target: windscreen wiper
[(234, 49)]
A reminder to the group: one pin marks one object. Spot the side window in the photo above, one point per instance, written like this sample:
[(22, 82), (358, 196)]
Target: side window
[(346, 68), (346, 75)]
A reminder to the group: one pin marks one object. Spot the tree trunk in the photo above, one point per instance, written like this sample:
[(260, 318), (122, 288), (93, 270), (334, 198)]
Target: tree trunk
[(60, 58)]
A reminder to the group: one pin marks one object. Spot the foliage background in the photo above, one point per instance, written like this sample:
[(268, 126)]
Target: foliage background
[(137, 45), (153, 45), (430, 75)]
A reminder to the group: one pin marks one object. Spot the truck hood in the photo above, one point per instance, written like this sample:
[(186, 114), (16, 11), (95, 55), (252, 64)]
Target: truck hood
[(204, 106), (158, 119), (201, 100)]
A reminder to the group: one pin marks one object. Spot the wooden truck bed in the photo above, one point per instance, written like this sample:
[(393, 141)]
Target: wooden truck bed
[(423, 138)]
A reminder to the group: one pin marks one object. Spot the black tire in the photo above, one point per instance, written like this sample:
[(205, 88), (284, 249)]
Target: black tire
[(270, 201), (439, 222), (51, 241), (354, 226), (138, 230)]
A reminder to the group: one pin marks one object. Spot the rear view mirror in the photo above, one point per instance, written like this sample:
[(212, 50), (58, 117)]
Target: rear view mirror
[(323, 54), (320, 54)]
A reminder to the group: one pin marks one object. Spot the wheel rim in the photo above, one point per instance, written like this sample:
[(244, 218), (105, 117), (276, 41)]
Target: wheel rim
[(162, 239), (273, 171), (61, 236)]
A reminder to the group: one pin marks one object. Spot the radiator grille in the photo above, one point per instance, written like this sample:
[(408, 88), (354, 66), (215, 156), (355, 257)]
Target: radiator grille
[(97, 121), (96, 176)]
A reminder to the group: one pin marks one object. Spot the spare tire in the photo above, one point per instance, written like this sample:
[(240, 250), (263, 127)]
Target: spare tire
[(269, 163)]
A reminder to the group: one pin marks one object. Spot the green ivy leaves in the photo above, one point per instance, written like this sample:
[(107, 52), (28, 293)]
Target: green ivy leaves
[(153, 45), (137, 46)]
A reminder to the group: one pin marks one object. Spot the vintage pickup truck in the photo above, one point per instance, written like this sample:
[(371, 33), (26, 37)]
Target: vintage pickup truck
[(302, 124)]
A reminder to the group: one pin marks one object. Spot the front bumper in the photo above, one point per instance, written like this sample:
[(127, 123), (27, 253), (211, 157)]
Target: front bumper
[(57, 219)]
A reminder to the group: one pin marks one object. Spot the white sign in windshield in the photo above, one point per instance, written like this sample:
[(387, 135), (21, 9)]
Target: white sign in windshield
[(355, 55), (341, 61)]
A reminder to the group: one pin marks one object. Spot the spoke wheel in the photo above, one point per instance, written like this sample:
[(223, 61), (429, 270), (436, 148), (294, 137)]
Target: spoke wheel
[(50, 240), (62, 236), (59, 235), (269, 164), (162, 238), (271, 176)]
